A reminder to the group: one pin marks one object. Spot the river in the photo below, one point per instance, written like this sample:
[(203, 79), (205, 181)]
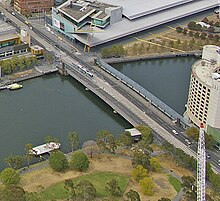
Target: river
[(55, 105), (168, 79), (52, 105)]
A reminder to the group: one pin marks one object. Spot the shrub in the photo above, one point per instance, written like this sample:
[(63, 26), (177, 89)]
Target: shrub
[(58, 161), (9, 176), (79, 161)]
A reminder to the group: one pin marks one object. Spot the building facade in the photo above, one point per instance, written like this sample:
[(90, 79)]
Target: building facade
[(203, 105), (32, 6)]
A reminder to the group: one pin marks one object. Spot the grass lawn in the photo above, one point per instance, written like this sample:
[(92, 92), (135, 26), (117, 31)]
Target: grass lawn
[(98, 179), (175, 183)]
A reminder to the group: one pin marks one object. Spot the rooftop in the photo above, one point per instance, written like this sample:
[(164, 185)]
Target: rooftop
[(133, 131), (138, 8), (8, 37), (127, 27), (204, 70)]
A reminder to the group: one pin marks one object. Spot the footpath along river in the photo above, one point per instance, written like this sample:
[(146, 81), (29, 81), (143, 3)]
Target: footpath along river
[(55, 105)]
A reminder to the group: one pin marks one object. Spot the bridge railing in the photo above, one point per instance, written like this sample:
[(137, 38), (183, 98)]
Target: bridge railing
[(143, 92)]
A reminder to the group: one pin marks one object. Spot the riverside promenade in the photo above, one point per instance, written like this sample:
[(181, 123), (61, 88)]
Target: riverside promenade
[(37, 71), (152, 56)]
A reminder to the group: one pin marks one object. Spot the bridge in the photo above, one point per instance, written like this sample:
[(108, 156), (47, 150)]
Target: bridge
[(116, 98), (143, 92)]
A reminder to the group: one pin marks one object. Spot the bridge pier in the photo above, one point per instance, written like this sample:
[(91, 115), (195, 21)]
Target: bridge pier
[(62, 70)]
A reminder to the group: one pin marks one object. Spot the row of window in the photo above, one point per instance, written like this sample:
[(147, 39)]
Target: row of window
[(10, 53)]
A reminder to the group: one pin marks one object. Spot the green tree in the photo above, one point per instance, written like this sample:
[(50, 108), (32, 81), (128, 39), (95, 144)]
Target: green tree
[(69, 186), (73, 140), (13, 193), (50, 138), (209, 141), (58, 161), (155, 165), (146, 133), (139, 173), (215, 179), (28, 156), (147, 186), (164, 199), (86, 190), (132, 195), (14, 162), (124, 139), (9, 177), (140, 158), (188, 182), (79, 161), (179, 29), (106, 141), (193, 133), (113, 188), (33, 196)]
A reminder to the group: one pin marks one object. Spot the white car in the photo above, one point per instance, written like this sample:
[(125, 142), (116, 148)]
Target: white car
[(175, 132), (188, 142), (13, 13)]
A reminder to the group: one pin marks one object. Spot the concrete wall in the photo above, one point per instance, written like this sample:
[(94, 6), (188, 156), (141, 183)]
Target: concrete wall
[(115, 14)]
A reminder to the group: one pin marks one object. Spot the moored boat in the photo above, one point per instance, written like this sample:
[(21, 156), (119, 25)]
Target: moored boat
[(14, 86)]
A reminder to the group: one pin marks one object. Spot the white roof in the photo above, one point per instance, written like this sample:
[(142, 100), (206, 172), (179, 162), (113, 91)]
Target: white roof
[(136, 8), (127, 27), (133, 131)]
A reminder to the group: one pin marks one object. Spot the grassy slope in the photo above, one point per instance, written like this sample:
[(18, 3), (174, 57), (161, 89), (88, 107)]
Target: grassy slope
[(98, 179)]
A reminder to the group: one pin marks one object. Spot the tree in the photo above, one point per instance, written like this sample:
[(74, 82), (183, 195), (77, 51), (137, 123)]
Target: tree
[(33, 196), (209, 141), (164, 199), (147, 186), (28, 156), (79, 161), (155, 165), (14, 162), (188, 182), (124, 139), (113, 188), (50, 138), (106, 141), (140, 158), (146, 133), (215, 179), (9, 177), (86, 190), (205, 20), (216, 37), (58, 161), (133, 196), (203, 35), (179, 29), (193, 133), (90, 147), (13, 193), (139, 173), (69, 186), (73, 140)]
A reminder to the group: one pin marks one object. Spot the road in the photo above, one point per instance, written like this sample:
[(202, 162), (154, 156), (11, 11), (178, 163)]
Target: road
[(130, 105)]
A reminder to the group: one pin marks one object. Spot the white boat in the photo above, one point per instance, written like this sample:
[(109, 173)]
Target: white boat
[(44, 148), (14, 86)]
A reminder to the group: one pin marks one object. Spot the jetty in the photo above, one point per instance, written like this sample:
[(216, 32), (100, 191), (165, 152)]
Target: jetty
[(44, 148)]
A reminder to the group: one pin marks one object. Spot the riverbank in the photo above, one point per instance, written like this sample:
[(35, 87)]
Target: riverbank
[(37, 71), (152, 56)]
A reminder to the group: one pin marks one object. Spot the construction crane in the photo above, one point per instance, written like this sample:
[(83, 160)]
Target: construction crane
[(201, 165)]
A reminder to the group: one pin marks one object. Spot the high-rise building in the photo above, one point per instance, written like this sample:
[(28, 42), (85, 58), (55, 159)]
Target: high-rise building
[(32, 6), (203, 103)]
